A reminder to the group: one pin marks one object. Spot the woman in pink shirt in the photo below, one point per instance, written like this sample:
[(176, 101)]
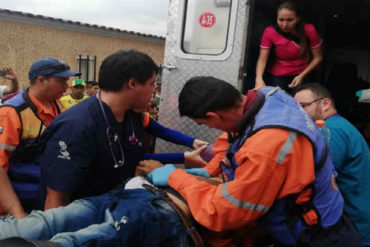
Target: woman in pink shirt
[(297, 49)]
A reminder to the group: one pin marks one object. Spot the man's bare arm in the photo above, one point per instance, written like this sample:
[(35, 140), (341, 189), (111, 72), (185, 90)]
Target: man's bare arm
[(147, 166), (56, 199), (8, 198)]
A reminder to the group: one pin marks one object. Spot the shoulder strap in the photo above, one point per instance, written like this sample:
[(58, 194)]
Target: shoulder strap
[(57, 106), (322, 161), (29, 102), (32, 106)]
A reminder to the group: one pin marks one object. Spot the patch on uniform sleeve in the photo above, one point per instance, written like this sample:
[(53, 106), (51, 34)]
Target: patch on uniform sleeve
[(334, 185), (63, 152), (1, 129)]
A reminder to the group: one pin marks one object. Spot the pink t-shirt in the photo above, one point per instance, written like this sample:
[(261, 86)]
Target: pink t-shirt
[(288, 60)]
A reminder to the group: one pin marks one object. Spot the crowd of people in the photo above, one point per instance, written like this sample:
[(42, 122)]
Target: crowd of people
[(79, 169)]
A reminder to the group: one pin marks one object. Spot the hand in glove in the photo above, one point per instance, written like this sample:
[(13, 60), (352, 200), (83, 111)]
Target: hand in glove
[(199, 172), (159, 176)]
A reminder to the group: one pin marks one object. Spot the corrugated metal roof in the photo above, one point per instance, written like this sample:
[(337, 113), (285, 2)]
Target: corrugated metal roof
[(77, 23)]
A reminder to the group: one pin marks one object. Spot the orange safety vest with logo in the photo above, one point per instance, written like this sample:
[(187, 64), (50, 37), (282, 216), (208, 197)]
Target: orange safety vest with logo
[(24, 171)]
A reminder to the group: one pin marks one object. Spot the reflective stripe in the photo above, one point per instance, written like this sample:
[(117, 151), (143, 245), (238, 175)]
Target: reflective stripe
[(242, 204), (7, 147), (272, 92), (286, 147)]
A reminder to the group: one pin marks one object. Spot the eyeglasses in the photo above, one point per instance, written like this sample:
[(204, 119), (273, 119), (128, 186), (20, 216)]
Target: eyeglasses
[(113, 140), (309, 103)]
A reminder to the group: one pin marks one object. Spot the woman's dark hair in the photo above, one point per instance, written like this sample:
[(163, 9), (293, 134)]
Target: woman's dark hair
[(118, 68), (303, 40)]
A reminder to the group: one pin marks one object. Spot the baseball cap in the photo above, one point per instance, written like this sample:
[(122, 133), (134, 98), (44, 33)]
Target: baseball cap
[(77, 82), (50, 67)]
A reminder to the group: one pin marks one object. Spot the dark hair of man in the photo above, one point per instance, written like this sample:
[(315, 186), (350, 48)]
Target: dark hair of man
[(317, 89), (303, 40), (91, 84), (153, 105), (118, 68), (206, 94)]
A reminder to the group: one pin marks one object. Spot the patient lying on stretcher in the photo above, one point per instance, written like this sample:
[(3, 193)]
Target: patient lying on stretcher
[(136, 214)]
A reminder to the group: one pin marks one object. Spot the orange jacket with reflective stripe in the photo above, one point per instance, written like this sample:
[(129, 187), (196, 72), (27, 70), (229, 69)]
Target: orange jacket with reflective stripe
[(19, 126), (259, 180)]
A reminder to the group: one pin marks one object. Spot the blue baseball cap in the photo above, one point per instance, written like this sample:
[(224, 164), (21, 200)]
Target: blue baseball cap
[(50, 67)]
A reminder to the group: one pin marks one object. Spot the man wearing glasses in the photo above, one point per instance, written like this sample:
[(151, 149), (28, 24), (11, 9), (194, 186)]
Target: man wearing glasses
[(350, 154), (95, 145), (22, 119)]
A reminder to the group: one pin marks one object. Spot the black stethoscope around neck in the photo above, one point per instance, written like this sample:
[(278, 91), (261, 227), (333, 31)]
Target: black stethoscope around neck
[(112, 137)]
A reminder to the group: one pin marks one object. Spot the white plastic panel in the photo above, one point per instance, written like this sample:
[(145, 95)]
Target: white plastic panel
[(179, 67), (206, 27)]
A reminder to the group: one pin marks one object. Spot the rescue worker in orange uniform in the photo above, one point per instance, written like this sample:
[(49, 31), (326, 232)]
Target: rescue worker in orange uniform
[(22, 119), (280, 175)]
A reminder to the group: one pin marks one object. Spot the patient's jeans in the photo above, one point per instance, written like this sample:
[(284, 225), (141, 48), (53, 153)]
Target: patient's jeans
[(115, 219)]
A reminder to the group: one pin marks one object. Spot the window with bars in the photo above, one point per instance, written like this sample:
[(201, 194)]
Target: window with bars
[(87, 67)]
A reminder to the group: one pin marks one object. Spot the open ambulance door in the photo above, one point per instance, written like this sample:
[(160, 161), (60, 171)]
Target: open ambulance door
[(204, 38)]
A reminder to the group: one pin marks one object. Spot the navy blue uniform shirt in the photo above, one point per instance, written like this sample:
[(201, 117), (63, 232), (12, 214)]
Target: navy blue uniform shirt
[(76, 157)]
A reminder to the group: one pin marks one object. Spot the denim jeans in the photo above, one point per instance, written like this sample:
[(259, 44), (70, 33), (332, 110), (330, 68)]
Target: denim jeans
[(115, 219)]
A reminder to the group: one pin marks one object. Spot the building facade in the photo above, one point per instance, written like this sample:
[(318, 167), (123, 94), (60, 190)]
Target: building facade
[(26, 38)]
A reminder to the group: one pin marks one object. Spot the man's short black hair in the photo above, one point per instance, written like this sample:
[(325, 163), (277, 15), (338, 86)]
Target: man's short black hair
[(118, 68), (318, 90), (91, 84), (206, 94), (153, 105)]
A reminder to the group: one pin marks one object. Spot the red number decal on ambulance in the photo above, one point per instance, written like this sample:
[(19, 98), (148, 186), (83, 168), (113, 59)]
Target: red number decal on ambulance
[(207, 19)]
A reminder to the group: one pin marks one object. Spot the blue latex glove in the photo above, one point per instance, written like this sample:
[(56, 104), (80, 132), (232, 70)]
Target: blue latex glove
[(199, 172), (159, 176)]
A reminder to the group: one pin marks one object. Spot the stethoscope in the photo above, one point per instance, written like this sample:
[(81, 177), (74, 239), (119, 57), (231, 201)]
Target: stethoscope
[(112, 134)]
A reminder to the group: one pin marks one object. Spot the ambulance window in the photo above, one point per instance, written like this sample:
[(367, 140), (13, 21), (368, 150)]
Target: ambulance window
[(206, 26)]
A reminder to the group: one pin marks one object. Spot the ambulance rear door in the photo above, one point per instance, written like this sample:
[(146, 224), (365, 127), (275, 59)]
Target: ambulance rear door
[(204, 38)]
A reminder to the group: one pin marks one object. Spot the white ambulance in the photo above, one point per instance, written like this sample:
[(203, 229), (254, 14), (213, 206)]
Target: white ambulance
[(221, 38)]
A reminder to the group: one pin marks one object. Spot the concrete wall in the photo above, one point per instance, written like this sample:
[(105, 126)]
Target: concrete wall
[(21, 44)]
